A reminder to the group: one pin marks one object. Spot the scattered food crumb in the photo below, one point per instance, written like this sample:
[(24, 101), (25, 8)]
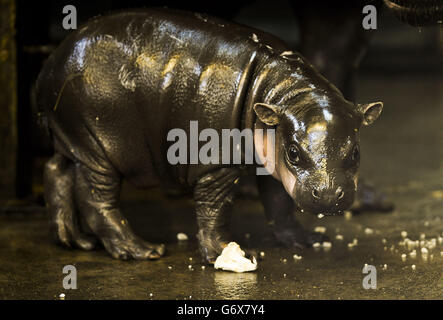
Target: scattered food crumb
[(403, 257), (383, 241), (262, 254), (339, 237), (404, 234), (182, 236), (348, 215), (297, 257), (62, 296), (413, 267), (385, 267), (320, 215), (369, 231), (327, 244), (320, 229)]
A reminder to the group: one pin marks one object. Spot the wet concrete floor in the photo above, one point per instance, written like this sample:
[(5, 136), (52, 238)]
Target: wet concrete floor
[(402, 154)]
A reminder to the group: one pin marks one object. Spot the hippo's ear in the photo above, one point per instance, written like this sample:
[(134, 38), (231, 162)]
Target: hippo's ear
[(267, 113), (370, 111)]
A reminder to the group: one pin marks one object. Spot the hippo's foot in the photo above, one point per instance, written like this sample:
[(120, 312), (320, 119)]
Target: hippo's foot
[(212, 245), (136, 248), (368, 198), (294, 235), (59, 185)]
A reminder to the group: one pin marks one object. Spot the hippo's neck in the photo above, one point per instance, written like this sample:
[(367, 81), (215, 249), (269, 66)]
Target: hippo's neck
[(284, 80)]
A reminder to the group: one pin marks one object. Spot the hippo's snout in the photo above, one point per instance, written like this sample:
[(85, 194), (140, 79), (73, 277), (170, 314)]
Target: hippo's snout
[(328, 201)]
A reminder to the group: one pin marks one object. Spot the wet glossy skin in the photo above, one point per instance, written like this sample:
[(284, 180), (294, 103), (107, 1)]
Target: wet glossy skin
[(322, 156), (114, 89)]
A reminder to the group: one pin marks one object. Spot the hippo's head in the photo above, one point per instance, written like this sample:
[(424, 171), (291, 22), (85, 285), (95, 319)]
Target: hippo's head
[(317, 149)]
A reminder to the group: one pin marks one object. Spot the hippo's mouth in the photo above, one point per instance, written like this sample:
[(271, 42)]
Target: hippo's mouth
[(328, 214)]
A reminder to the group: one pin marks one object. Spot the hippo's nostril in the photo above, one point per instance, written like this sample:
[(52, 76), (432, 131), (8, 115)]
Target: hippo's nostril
[(316, 194), (340, 193)]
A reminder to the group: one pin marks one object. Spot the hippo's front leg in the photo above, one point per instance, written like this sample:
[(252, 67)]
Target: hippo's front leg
[(214, 196), (279, 210)]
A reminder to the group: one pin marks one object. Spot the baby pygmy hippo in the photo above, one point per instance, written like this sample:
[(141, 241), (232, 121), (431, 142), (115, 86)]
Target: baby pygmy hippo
[(117, 86)]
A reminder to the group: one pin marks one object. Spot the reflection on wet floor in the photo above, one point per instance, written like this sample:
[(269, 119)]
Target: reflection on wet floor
[(402, 154)]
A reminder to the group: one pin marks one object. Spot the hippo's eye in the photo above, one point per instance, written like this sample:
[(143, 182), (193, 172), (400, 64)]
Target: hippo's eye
[(293, 154), (356, 153)]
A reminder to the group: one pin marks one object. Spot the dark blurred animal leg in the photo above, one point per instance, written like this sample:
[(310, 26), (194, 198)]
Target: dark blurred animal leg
[(59, 179), (279, 210)]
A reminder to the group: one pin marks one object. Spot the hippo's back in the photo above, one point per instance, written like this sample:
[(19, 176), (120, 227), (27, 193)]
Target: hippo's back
[(119, 84)]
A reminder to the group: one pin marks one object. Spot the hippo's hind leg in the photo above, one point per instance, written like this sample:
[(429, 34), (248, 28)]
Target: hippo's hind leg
[(59, 195), (97, 197), (279, 209)]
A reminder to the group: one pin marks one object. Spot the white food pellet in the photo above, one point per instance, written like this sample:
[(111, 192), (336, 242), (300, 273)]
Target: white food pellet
[(413, 254), (151, 294), (297, 257), (348, 215), (203, 267), (385, 267), (327, 244), (422, 236), (441, 253), (190, 267), (320, 229), (413, 267), (320, 215), (254, 37), (403, 257), (369, 231), (284, 260), (404, 234), (316, 245), (62, 296), (233, 258), (262, 254), (339, 237), (170, 267), (182, 236), (383, 241)]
